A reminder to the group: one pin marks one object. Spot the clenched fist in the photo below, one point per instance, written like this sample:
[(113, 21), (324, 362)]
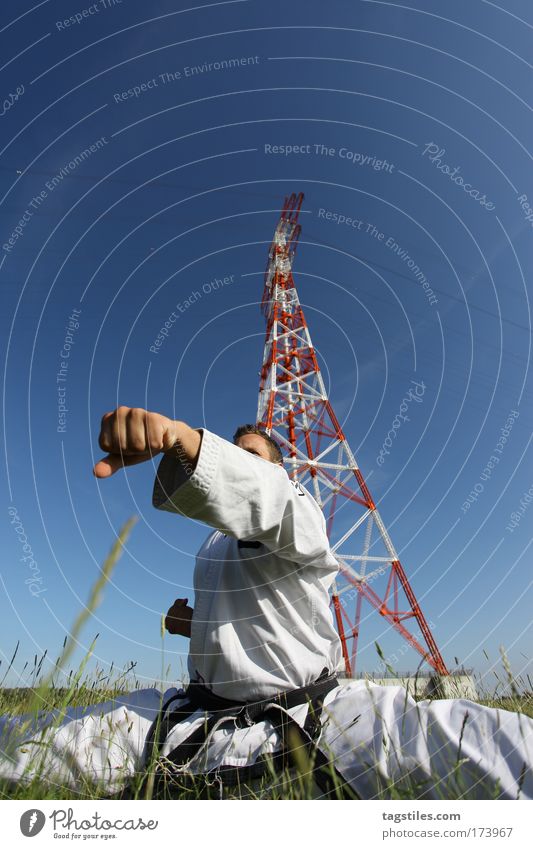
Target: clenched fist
[(179, 617), (132, 435)]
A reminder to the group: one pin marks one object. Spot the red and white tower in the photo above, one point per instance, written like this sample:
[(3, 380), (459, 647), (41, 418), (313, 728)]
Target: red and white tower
[(294, 407)]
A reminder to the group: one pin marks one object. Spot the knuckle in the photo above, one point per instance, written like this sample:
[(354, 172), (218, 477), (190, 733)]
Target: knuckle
[(154, 433), (151, 419)]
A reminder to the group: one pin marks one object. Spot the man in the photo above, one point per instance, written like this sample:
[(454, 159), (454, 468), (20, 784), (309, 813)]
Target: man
[(261, 629), (179, 616), (261, 623)]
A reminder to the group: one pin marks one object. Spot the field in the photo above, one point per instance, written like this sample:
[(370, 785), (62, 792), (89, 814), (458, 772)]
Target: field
[(296, 783), (42, 694)]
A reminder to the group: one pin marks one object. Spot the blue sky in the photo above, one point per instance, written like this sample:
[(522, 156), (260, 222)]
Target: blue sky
[(416, 126)]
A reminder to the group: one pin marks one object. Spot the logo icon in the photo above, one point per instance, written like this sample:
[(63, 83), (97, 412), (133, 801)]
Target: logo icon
[(32, 822)]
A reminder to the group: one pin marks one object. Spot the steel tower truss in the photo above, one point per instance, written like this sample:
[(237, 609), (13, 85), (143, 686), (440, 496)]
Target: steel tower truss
[(294, 407)]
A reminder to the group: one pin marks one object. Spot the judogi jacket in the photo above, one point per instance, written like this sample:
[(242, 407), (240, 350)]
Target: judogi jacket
[(262, 622)]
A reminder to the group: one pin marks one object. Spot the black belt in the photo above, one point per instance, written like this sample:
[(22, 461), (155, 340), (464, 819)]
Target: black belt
[(204, 698), (244, 714)]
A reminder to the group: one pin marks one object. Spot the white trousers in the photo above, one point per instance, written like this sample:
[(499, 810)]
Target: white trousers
[(376, 736)]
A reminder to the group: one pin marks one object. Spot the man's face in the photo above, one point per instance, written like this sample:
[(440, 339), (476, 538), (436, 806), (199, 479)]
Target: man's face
[(255, 444)]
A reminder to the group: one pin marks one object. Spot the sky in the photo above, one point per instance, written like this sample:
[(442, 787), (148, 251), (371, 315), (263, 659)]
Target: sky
[(145, 154)]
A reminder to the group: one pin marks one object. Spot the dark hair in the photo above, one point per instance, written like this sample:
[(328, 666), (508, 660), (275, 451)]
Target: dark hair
[(275, 450)]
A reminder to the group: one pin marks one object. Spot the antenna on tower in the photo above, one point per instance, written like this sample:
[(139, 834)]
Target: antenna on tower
[(294, 407)]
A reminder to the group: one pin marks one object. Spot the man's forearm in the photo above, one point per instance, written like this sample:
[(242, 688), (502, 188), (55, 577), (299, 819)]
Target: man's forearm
[(179, 461), (249, 498), (186, 447)]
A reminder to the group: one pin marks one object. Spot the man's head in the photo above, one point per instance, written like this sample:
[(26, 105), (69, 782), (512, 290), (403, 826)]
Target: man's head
[(254, 439)]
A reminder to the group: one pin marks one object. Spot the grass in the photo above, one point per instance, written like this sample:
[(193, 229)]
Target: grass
[(44, 695), (518, 704)]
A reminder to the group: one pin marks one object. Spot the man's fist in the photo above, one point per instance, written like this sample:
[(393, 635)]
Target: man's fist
[(178, 618), (132, 435)]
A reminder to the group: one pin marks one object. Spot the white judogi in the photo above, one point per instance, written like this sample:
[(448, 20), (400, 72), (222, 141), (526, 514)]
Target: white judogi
[(262, 621), (376, 736)]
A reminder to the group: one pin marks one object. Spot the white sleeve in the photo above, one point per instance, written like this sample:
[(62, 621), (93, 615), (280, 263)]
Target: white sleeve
[(247, 497)]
